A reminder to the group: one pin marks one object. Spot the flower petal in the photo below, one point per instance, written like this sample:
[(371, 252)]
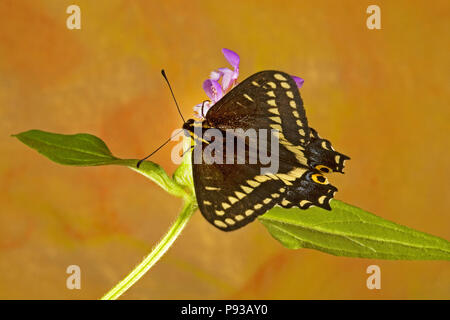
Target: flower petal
[(198, 110), (215, 75), (227, 78), (299, 81), (213, 90), (199, 113), (232, 57)]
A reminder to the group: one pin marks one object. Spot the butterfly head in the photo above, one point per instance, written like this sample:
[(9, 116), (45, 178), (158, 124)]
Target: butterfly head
[(323, 157), (195, 129), (189, 126)]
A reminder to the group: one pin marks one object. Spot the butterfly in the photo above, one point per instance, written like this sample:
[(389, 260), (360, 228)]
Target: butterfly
[(231, 195)]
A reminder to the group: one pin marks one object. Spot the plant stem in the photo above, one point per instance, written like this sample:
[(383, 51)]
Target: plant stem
[(158, 251)]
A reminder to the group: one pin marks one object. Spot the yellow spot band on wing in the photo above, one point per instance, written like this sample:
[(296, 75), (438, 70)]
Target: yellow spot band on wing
[(297, 150), (230, 221), (304, 202), (274, 111), (275, 119), (212, 188), (297, 172), (285, 178), (322, 199), (262, 178), (276, 127), (232, 200), (279, 77), (285, 85), (272, 102), (272, 176), (246, 189), (253, 183), (220, 224), (249, 212), (240, 195)]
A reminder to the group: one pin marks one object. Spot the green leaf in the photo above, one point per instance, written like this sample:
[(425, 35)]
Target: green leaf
[(76, 149), (352, 232), (87, 150)]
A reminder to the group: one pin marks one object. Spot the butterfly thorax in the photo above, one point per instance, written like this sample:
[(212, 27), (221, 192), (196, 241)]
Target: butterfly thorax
[(195, 129)]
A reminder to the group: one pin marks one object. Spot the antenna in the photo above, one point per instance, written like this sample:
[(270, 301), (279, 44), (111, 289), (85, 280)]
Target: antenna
[(179, 111), (171, 91), (166, 142)]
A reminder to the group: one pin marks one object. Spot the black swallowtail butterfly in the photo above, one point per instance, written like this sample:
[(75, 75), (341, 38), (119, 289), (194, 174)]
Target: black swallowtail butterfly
[(232, 195)]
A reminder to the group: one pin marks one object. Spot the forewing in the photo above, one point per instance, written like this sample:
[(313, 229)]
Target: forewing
[(265, 100)]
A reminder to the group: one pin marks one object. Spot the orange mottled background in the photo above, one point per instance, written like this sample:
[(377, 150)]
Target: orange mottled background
[(381, 96)]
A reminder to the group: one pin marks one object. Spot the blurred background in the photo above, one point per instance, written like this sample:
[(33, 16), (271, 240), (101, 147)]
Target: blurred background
[(381, 97)]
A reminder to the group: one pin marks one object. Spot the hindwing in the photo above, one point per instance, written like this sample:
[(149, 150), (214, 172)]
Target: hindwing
[(232, 195)]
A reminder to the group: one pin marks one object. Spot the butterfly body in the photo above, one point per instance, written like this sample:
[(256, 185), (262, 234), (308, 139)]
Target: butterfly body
[(232, 191)]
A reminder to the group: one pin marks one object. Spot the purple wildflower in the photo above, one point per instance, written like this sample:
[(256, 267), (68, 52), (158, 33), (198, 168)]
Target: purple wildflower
[(216, 90), (299, 81)]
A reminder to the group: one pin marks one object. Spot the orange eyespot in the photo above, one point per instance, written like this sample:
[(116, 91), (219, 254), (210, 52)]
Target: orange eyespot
[(323, 168), (320, 179)]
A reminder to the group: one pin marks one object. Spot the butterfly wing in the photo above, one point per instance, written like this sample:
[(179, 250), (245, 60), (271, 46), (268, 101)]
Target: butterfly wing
[(231, 195), (321, 155), (265, 100)]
